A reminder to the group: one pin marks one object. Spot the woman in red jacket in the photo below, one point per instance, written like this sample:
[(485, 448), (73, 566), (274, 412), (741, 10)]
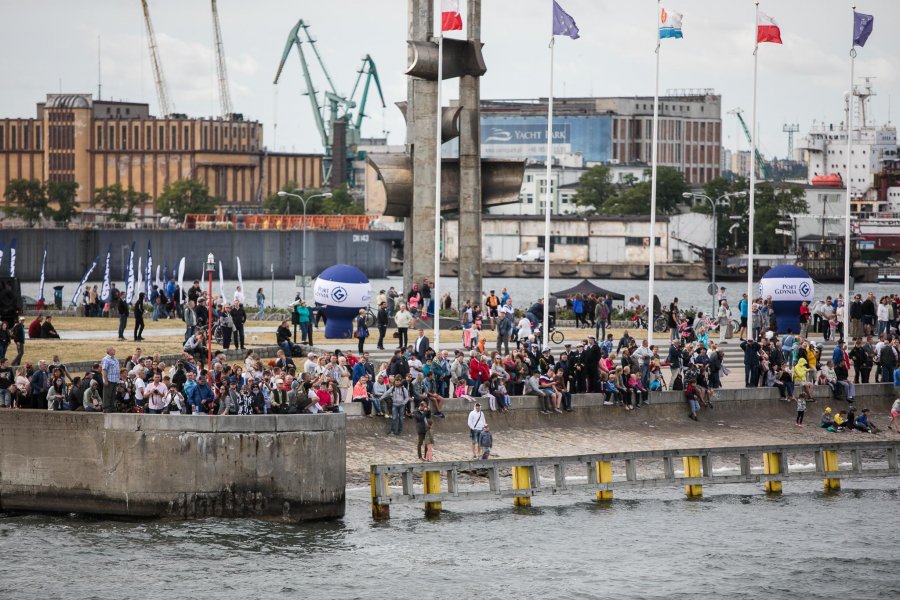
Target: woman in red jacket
[(804, 318)]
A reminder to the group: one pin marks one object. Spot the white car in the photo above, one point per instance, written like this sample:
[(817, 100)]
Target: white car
[(534, 255)]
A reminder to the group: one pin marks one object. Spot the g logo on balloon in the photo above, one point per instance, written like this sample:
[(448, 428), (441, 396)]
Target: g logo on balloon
[(343, 289), (804, 289)]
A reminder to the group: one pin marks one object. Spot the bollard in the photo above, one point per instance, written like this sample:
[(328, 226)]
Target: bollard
[(830, 460), (432, 481), (772, 466), (379, 511), (604, 475), (692, 469), (521, 481)]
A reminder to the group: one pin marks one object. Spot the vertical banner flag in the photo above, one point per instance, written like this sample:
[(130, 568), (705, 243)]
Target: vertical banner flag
[(130, 282), (563, 23), (157, 276), (12, 258), (148, 272), (181, 280), (669, 24), (138, 277), (43, 264), (83, 280), (767, 29), (221, 283), (2, 246), (105, 290), (862, 28), (451, 20), (240, 276)]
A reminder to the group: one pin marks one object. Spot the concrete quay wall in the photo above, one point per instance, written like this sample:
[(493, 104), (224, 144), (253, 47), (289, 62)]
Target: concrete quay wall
[(665, 408), (290, 467)]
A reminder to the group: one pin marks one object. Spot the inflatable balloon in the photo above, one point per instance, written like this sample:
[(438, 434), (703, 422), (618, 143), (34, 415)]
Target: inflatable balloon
[(343, 289), (788, 287)]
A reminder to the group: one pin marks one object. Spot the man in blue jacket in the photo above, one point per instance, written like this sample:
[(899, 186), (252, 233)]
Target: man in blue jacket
[(197, 394)]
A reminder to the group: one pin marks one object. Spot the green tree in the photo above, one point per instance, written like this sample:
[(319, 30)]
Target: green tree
[(185, 196), (635, 200), (341, 202), (595, 188), (118, 202), (64, 194), (27, 199)]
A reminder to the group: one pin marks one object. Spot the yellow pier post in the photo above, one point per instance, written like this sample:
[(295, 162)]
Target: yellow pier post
[(432, 481), (772, 466), (604, 475), (830, 459), (521, 481), (692, 469), (379, 511)]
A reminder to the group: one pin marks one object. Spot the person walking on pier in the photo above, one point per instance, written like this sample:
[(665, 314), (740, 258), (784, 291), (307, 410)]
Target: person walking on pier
[(424, 424), (476, 425), (381, 321)]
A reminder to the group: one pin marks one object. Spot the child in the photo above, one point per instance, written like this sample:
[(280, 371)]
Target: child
[(827, 421), (801, 408), (895, 415), (487, 442)]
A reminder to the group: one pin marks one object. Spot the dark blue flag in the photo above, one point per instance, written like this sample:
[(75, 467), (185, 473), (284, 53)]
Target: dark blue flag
[(862, 28), (563, 23)]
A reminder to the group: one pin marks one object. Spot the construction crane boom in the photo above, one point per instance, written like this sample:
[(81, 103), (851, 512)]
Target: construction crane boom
[(371, 72), (221, 69), (294, 39), (162, 93), (759, 159)]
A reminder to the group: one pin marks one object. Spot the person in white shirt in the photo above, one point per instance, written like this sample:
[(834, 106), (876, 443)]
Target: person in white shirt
[(239, 295), (724, 316), (524, 329), (415, 366), (155, 392), (310, 366), (476, 425), (139, 386)]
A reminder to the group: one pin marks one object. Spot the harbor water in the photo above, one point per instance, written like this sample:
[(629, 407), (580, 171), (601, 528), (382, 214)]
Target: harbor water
[(523, 291), (733, 543)]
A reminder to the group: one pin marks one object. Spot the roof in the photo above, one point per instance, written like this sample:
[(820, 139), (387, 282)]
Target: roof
[(586, 287)]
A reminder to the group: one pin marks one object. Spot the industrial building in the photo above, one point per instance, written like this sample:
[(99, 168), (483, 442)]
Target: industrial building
[(101, 142), (609, 131)]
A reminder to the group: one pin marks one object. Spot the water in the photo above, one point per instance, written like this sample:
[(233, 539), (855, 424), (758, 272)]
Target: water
[(523, 291), (733, 543)]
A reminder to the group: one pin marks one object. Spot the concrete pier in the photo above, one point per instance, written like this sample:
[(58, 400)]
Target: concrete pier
[(289, 467)]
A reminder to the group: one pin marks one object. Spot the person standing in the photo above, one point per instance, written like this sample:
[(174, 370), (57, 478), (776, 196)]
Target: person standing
[(109, 368), (421, 345), (504, 331), (404, 320), (239, 316), (226, 324), (139, 318), (122, 308), (18, 338), (743, 307), (423, 429), (190, 320), (476, 424), (304, 320), (381, 321), (724, 316), (399, 395), (260, 305), (362, 331)]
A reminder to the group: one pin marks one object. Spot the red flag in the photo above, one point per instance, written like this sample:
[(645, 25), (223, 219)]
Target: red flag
[(451, 20), (767, 30)]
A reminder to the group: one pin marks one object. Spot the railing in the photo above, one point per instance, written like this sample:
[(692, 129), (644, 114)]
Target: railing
[(424, 482)]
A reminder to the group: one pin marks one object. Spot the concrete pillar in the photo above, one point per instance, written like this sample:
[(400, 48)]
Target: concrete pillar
[(380, 512), (521, 477), (470, 278), (772, 466), (604, 475), (421, 116)]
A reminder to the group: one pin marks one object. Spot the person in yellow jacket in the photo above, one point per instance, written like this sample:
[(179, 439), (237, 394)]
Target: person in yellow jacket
[(800, 377)]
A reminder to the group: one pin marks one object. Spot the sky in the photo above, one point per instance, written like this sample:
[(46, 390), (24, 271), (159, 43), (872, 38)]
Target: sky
[(802, 81)]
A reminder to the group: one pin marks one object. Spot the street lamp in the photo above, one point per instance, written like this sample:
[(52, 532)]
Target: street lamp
[(284, 194), (210, 268), (714, 203)]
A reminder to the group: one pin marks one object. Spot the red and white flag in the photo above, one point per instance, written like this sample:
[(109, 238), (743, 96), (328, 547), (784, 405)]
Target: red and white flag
[(767, 29), (451, 20)]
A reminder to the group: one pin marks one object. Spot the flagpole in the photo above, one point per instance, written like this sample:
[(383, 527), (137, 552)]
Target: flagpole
[(752, 182), (847, 183), (436, 291), (545, 330), (654, 151)]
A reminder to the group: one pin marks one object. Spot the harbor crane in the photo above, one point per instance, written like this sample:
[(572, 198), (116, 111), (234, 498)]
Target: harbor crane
[(221, 68), (340, 133), (760, 165), (159, 78), (791, 129)]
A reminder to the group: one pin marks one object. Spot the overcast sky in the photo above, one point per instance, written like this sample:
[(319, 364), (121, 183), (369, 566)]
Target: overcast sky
[(48, 45)]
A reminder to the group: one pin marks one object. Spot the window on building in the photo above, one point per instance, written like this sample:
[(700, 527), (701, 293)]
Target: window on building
[(148, 140), (639, 241), (529, 178), (529, 198), (124, 140), (100, 136), (162, 138), (186, 137)]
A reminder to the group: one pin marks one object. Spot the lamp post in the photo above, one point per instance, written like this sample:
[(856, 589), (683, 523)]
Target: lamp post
[(714, 203), (210, 268), (284, 194)]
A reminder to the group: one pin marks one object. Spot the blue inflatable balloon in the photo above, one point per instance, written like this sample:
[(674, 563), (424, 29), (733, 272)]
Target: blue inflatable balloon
[(789, 287), (344, 289)]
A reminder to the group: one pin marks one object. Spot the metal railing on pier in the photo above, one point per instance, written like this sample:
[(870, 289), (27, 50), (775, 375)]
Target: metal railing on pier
[(438, 482)]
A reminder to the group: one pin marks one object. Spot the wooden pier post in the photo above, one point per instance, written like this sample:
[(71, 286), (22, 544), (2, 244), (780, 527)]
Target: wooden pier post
[(604, 475), (521, 480), (692, 469), (432, 483), (772, 465), (830, 460)]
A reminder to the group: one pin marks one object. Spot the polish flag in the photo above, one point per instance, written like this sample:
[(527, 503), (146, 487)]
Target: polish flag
[(451, 20), (767, 29)]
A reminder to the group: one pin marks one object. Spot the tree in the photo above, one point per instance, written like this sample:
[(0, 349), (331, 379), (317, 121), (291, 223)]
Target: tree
[(341, 202), (185, 196), (635, 200), (595, 187), (28, 198), (64, 195), (118, 202)]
